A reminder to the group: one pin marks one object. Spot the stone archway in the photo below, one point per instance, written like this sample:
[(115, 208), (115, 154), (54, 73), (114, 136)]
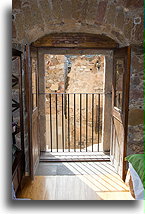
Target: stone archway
[(120, 20)]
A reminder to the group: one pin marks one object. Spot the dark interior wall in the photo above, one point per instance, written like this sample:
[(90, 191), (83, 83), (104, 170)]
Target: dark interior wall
[(25, 115)]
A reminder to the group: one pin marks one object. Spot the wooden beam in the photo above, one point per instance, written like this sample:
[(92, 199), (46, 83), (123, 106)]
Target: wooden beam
[(76, 40)]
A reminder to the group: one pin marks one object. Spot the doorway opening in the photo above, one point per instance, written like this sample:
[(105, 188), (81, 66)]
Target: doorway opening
[(74, 96)]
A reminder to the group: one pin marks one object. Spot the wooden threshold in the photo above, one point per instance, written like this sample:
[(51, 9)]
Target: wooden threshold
[(74, 157), (74, 160)]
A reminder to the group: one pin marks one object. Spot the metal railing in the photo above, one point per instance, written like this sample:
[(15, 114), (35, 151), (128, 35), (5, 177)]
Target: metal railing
[(74, 121)]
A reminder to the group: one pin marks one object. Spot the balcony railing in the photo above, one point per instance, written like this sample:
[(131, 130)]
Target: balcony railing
[(74, 122)]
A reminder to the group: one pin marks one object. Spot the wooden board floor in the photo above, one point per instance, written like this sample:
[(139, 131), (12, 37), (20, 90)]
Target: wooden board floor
[(73, 156), (90, 181)]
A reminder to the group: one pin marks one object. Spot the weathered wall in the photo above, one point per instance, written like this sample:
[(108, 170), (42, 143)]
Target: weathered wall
[(73, 74), (84, 76), (121, 20), (136, 107)]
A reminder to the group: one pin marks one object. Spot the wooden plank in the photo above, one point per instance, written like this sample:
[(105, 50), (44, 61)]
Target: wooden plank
[(74, 160), (76, 40), (120, 116), (28, 106)]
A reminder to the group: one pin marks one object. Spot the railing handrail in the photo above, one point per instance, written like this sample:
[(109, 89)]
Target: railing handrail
[(71, 93), (74, 122)]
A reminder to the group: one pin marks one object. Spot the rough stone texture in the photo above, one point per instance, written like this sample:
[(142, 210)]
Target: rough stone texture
[(55, 16), (111, 12), (135, 131), (101, 11), (135, 139), (82, 68), (13, 30), (136, 117), (38, 18), (70, 74), (119, 22), (16, 4), (134, 4), (54, 73)]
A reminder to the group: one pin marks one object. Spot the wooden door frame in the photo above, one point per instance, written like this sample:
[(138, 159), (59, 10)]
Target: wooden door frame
[(125, 105), (108, 53), (28, 106), (28, 92)]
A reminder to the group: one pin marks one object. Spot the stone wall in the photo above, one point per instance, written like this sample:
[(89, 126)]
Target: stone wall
[(54, 77), (136, 104), (85, 76), (73, 74), (120, 20)]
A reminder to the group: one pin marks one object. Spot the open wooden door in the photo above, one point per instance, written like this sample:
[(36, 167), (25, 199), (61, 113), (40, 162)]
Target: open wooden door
[(31, 87), (120, 103)]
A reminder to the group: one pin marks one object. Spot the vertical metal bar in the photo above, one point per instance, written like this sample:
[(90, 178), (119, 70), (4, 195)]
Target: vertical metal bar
[(98, 120), (119, 100), (56, 123), (92, 121), (86, 121), (62, 124), (74, 123), (68, 127), (80, 121), (65, 106), (50, 122)]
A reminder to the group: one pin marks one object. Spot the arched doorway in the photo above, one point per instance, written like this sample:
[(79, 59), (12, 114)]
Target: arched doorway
[(80, 43)]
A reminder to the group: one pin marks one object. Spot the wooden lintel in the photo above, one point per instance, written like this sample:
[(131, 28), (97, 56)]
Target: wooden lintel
[(75, 40)]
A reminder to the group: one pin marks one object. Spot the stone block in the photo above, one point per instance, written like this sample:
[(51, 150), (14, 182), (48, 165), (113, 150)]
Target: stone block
[(36, 15), (138, 34), (128, 28), (136, 117), (134, 4), (57, 10), (19, 26), (46, 11), (111, 14), (67, 13), (119, 22), (13, 30), (101, 11), (16, 4), (136, 94)]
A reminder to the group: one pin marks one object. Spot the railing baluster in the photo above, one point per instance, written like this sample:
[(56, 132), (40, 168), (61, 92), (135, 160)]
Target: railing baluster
[(80, 121), (50, 121), (86, 121), (92, 121), (98, 120), (68, 127), (95, 111), (62, 124), (74, 123), (56, 124)]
